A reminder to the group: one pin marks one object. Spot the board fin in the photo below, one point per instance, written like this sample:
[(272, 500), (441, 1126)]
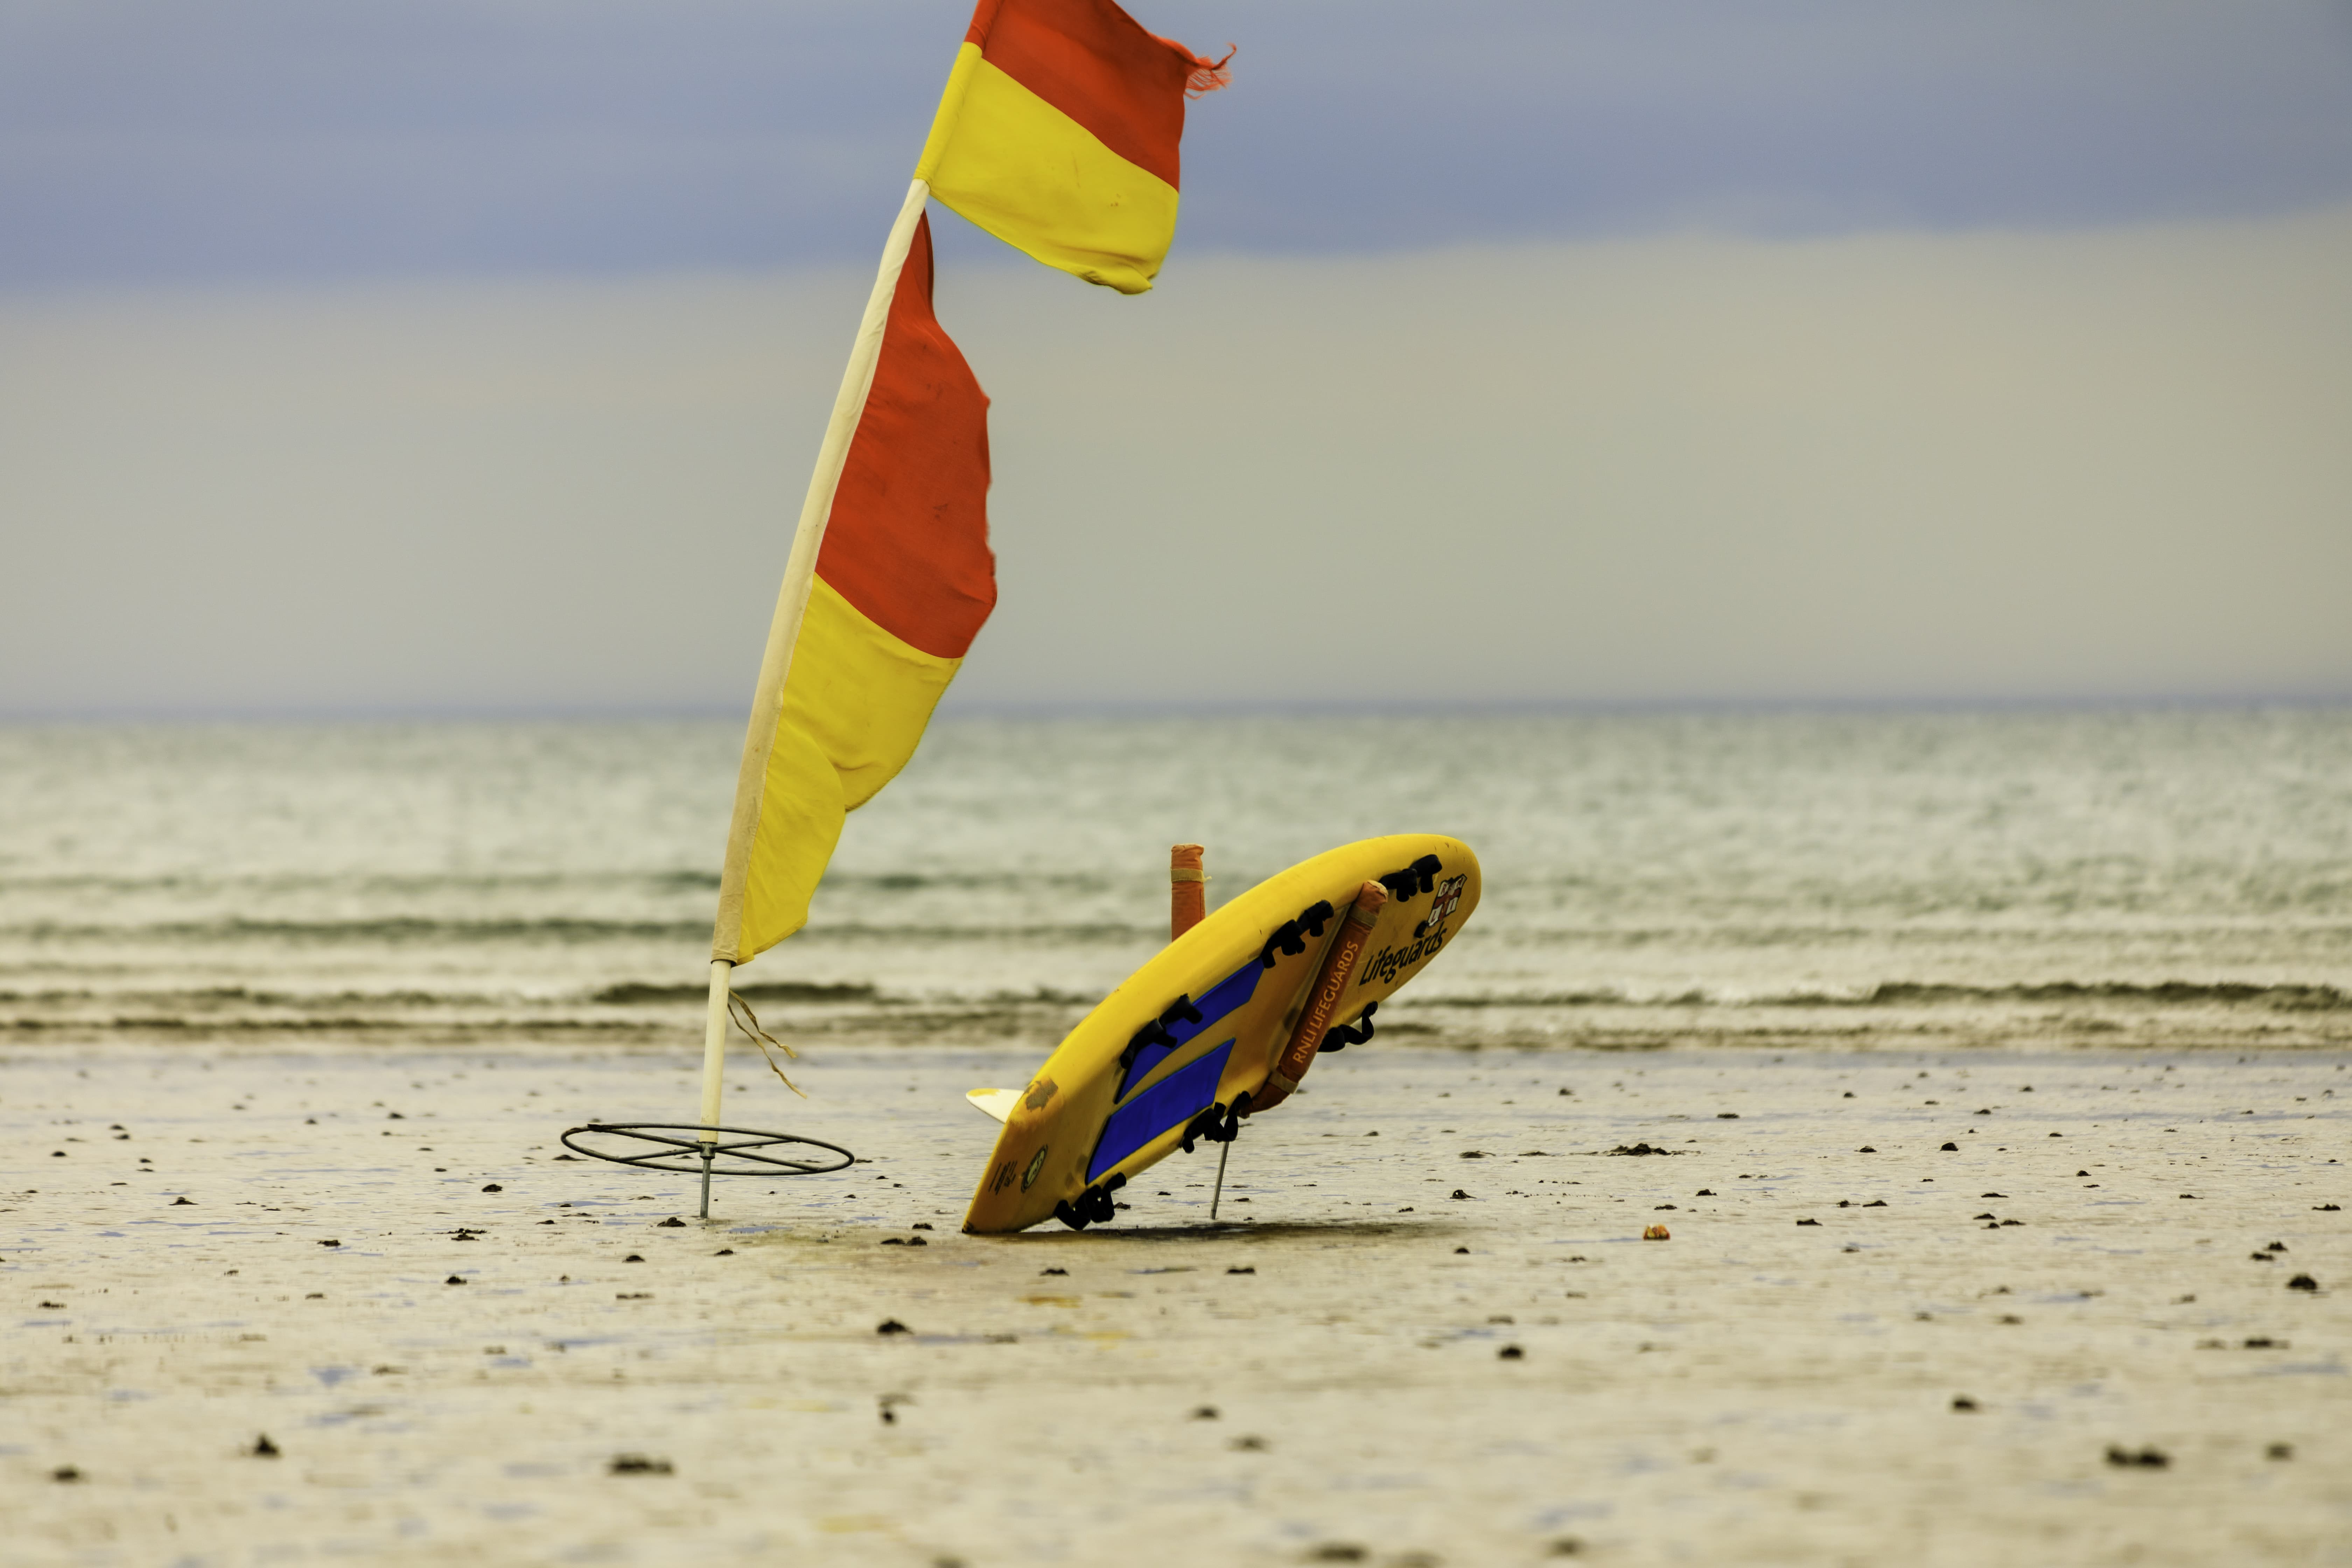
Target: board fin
[(997, 1103)]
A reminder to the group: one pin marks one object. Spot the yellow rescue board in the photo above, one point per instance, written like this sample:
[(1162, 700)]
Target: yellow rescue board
[(1204, 1021)]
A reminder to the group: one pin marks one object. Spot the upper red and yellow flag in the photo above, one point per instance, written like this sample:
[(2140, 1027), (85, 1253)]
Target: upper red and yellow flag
[(903, 582), (1058, 132)]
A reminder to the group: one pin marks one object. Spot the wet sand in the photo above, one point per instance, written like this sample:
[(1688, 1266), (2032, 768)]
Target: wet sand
[(1426, 1331)]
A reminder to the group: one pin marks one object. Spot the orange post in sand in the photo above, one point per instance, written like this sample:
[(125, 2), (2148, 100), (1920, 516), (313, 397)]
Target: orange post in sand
[(1323, 1001), (1188, 889)]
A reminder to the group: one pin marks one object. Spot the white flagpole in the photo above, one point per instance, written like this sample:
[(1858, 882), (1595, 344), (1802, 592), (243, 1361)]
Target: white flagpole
[(783, 632)]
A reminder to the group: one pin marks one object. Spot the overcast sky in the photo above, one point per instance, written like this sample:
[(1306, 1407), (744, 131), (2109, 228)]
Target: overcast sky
[(289, 139), (471, 356)]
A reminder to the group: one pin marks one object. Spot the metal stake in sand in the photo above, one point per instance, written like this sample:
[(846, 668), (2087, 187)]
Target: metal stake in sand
[(714, 1062), (685, 1146), (1226, 1136)]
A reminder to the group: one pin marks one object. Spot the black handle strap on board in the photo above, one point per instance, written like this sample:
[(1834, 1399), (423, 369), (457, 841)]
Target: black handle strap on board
[(1218, 1124), (1093, 1206), (1340, 1036), (1291, 936), (1418, 877), (1156, 1032)]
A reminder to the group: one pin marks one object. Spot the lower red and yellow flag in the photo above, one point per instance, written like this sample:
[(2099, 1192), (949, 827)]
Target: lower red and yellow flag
[(904, 579)]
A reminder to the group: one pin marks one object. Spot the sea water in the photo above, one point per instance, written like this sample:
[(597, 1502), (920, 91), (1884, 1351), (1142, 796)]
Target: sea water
[(2139, 878)]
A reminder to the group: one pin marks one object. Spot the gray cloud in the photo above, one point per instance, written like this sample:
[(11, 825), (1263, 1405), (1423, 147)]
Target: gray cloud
[(1893, 467), (141, 141)]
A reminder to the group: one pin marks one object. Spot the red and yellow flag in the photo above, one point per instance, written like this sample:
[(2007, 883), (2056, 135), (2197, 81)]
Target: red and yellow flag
[(1057, 133), (903, 578)]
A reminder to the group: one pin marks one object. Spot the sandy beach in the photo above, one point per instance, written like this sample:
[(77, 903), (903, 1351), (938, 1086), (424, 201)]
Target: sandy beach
[(1426, 1331)]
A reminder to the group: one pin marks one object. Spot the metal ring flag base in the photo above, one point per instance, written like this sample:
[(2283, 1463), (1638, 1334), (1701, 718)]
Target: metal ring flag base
[(688, 1147)]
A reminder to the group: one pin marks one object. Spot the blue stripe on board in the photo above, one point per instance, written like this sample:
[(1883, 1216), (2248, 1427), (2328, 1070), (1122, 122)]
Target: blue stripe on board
[(1233, 991), (1220, 1000), (1171, 1102), (1149, 1058)]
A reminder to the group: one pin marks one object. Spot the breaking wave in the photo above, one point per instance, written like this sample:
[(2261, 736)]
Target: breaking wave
[(636, 993), (415, 930), (2285, 998)]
